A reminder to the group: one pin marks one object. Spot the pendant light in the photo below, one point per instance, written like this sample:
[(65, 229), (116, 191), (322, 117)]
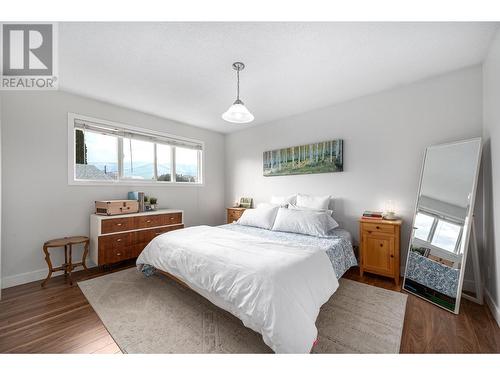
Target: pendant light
[(238, 113)]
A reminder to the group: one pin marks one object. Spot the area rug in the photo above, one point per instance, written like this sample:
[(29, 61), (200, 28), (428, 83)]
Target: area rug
[(158, 315)]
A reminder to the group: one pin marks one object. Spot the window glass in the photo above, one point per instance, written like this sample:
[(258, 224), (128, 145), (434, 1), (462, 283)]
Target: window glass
[(104, 152), (446, 235), (138, 159), (96, 156), (423, 225), (164, 162), (186, 165)]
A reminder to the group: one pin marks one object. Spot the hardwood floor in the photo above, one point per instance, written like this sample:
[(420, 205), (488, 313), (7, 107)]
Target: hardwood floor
[(430, 329), (58, 319)]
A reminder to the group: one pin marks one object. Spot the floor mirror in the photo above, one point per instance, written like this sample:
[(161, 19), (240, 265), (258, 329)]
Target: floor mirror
[(443, 224)]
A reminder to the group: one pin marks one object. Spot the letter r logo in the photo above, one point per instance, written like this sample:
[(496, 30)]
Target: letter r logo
[(27, 49)]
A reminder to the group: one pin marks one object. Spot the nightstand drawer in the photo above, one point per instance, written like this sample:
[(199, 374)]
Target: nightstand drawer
[(233, 217), (378, 227), (233, 214)]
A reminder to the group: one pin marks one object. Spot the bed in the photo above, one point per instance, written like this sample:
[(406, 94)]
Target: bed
[(275, 282)]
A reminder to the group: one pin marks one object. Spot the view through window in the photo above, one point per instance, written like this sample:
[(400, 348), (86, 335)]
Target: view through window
[(120, 155)]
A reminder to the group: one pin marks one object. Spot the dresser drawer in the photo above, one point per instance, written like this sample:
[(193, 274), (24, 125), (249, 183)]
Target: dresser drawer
[(145, 236), (157, 231), (150, 221), (169, 219), (117, 225), (142, 237), (114, 248), (115, 241), (115, 255), (378, 227)]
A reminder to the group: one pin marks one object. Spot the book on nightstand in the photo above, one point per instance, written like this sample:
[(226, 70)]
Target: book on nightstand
[(372, 215)]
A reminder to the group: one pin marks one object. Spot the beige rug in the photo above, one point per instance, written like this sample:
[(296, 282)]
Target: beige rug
[(157, 315)]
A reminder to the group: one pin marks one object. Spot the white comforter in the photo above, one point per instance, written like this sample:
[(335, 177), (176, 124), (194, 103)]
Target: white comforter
[(275, 289)]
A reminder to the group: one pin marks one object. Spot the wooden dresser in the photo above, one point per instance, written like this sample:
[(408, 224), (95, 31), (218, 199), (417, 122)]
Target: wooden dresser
[(234, 213), (379, 247), (121, 237)]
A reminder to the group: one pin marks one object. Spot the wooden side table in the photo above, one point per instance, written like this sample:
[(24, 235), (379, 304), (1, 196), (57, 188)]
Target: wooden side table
[(67, 243), (234, 213), (379, 247)]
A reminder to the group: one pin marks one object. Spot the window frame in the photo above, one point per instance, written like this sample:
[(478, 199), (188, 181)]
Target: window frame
[(124, 181)]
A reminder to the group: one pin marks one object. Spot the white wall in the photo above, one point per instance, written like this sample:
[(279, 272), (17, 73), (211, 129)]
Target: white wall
[(384, 135), (491, 177), (38, 203)]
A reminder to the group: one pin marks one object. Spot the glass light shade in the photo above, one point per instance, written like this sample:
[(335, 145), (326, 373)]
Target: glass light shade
[(238, 113)]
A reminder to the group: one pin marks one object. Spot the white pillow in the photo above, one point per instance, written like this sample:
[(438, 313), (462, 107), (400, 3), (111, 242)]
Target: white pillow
[(308, 222), (293, 207), (282, 200), (262, 217), (267, 205), (315, 203)]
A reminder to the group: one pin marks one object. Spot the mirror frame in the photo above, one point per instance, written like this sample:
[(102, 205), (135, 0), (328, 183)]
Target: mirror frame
[(466, 233)]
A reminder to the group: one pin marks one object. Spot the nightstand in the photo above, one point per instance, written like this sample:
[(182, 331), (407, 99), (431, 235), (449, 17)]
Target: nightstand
[(379, 247), (234, 213)]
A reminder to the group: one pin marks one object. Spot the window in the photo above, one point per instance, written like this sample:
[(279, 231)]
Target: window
[(438, 231), (164, 162), (186, 165), (423, 225), (138, 159), (446, 235), (96, 156), (105, 152)]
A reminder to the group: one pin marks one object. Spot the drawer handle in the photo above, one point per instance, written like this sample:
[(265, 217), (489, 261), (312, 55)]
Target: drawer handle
[(171, 218), (119, 224), (148, 221), (377, 227), (118, 240), (118, 254), (392, 256), (381, 245)]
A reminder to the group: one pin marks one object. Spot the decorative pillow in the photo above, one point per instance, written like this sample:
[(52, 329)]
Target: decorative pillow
[(315, 203), (262, 217), (312, 223), (282, 200)]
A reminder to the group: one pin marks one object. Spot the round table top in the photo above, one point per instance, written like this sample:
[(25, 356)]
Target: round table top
[(60, 242)]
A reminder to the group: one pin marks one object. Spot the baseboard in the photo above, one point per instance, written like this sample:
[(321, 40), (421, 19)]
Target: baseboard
[(27, 277), (469, 285), (495, 310)]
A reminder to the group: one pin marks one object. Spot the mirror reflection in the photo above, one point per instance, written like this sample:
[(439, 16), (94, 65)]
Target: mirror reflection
[(438, 244)]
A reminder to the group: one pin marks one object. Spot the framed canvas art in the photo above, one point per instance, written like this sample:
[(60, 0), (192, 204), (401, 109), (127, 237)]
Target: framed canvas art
[(321, 157)]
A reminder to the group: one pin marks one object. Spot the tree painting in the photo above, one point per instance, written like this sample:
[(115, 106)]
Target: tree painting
[(322, 157)]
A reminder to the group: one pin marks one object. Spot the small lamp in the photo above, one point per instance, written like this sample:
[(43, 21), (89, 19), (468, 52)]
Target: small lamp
[(389, 210)]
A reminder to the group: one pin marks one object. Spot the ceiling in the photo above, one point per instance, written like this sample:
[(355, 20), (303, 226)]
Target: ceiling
[(182, 71)]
